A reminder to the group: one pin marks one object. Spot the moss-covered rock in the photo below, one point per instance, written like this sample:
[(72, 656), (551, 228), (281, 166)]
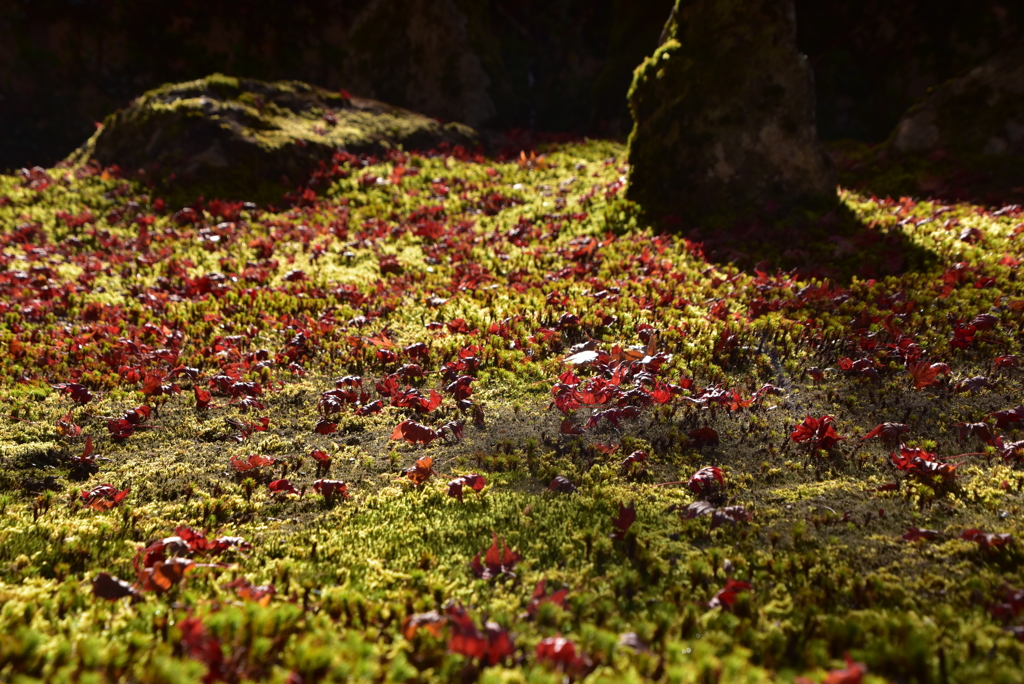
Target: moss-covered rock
[(723, 116), (249, 139), (977, 118)]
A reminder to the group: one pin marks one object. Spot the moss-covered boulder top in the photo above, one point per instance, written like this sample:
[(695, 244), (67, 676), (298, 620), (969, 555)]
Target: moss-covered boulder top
[(246, 139)]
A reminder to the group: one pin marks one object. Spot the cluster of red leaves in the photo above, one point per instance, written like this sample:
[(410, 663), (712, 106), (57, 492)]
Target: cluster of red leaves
[(123, 428), (923, 465), (497, 562), (104, 497), (540, 597), (707, 480), (816, 431), (473, 481), (491, 646), (562, 654), (163, 564), (417, 433), (331, 489), (254, 461)]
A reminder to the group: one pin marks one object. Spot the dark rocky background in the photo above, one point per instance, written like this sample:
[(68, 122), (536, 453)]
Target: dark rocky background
[(551, 65)]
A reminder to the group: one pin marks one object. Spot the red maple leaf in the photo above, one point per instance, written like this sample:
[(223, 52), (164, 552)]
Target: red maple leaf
[(925, 374), (497, 561), (414, 432), (818, 431), (624, 520), (421, 471), (330, 489), (726, 596), (474, 481), (282, 487), (706, 480)]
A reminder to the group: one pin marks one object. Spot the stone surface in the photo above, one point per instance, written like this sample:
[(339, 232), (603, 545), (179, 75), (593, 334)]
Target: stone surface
[(976, 116), (724, 116), (418, 52), (243, 138)]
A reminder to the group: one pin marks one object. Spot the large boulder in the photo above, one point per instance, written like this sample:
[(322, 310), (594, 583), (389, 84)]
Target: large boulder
[(237, 138), (723, 116), (976, 117)]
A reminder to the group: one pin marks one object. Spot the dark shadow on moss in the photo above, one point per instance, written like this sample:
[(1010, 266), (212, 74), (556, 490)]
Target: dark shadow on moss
[(835, 245)]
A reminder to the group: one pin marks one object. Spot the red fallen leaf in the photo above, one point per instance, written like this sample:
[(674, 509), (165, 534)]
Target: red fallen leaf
[(816, 373), (120, 428), (202, 396), (320, 456), (915, 534), (79, 394), (490, 647), (817, 430), (888, 487), (325, 427), (254, 461), (104, 497), (923, 465), (730, 514), (421, 471), (974, 384), (138, 415), (204, 648), (562, 484), (474, 481), (431, 621), (106, 586), (452, 430), (261, 594), (703, 481), (558, 651), (1007, 361), (1010, 451), (164, 574), (540, 596), (982, 431), (373, 407), (726, 596), (568, 428), (985, 321), (606, 449), (693, 510), (283, 486), (1007, 417), (497, 561), (634, 458), (704, 436), (331, 488), (414, 432), (889, 432), (66, 426), (624, 520), (987, 540), (852, 674), (925, 374)]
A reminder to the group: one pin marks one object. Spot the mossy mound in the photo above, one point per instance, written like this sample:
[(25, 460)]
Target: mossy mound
[(724, 116), (249, 139)]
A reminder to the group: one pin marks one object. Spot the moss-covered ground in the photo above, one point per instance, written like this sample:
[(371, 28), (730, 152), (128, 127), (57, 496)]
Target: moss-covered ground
[(529, 326)]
